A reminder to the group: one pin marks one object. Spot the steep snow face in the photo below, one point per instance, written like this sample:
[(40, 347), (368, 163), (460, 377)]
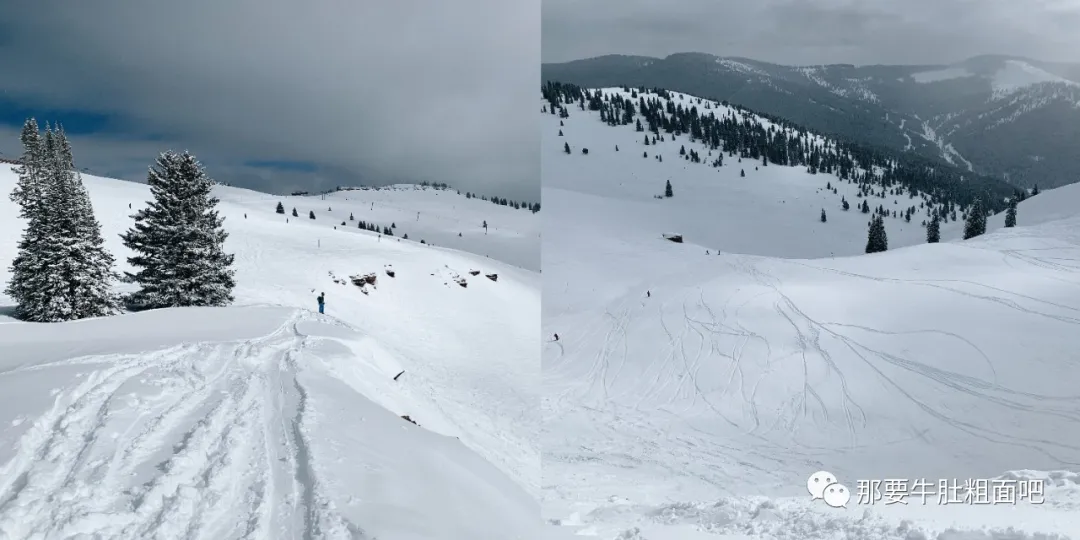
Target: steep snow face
[(693, 392), (266, 420)]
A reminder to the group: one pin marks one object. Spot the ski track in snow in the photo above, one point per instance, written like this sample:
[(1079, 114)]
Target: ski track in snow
[(699, 410), (228, 410)]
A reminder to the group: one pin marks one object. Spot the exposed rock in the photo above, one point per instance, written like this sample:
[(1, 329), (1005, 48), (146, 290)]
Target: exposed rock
[(366, 279)]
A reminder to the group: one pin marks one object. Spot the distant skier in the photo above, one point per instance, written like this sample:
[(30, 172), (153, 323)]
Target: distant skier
[(322, 302), (648, 294), (556, 337)]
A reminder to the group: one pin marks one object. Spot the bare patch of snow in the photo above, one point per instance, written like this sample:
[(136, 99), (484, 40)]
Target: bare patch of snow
[(938, 75)]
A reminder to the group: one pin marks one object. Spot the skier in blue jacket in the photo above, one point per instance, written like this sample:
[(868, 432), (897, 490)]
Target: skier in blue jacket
[(322, 302)]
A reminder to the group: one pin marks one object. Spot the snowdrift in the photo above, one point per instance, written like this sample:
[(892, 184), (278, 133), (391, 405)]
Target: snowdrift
[(267, 420), (701, 408)]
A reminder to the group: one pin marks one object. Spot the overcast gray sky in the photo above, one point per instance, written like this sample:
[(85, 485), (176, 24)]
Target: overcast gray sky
[(814, 31), (282, 94)]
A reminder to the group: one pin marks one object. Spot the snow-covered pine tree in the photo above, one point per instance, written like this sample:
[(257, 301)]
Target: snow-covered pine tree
[(975, 224), (1010, 214), (62, 271), (933, 230), (280, 208), (28, 188), (92, 290), (29, 194), (178, 240), (877, 241)]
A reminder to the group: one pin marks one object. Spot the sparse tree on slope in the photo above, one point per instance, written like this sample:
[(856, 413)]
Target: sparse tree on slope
[(1010, 214), (933, 230), (178, 240), (62, 271), (667, 190), (975, 224), (823, 219), (280, 208), (566, 147), (311, 214), (877, 241)]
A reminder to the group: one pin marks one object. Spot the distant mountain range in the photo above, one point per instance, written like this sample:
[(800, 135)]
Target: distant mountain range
[(1012, 118)]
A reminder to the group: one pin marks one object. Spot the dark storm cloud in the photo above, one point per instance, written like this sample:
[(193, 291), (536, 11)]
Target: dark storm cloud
[(814, 31), (406, 91)]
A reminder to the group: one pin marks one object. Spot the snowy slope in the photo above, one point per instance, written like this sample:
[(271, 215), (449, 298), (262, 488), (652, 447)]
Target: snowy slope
[(513, 235), (700, 409), (1015, 75), (265, 420), (786, 200)]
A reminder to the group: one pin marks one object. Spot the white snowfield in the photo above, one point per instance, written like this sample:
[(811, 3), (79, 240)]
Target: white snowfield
[(1013, 75), (436, 216), (692, 395), (266, 420)]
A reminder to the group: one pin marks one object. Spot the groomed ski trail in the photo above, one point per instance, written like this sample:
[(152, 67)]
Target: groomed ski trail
[(233, 414)]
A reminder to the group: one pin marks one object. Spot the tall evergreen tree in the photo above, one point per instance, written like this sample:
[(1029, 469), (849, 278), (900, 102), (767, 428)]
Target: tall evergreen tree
[(30, 185), (667, 190), (933, 230), (876, 239), (62, 271), (280, 208), (975, 224), (27, 269), (823, 218), (179, 240), (1010, 214), (294, 214)]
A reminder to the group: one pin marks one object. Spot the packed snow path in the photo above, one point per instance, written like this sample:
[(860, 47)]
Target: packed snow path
[(203, 436), (228, 411)]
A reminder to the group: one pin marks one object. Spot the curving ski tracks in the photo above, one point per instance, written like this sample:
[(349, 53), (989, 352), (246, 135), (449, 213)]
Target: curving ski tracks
[(214, 449)]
